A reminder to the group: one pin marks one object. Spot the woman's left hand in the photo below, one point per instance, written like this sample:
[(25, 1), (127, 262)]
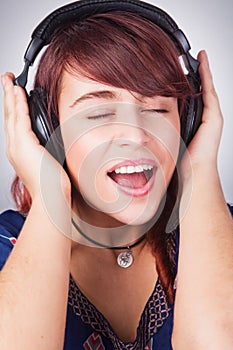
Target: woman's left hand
[(205, 237), (203, 149)]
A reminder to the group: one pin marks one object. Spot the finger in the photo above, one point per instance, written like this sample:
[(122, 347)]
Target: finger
[(23, 121), (10, 75), (9, 109), (9, 98), (21, 106), (210, 97)]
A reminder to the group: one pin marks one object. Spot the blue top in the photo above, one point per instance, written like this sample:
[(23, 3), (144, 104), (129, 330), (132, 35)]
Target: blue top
[(86, 327)]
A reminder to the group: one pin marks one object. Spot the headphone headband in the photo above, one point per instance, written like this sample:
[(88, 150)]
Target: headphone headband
[(79, 10), (76, 11)]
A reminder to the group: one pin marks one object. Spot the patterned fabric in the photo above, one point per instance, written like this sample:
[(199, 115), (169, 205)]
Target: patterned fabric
[(86, 327), (153, 316), (94, 342)]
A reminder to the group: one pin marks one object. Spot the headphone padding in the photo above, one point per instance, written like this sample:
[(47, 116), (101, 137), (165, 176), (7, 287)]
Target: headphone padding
[(46, 129), (79, 10)]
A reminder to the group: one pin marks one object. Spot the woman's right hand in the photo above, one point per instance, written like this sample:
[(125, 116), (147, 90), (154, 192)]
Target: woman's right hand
[(41, 256), (23, 148)]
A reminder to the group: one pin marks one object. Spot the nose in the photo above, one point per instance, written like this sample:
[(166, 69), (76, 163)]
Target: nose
[(132, 129)]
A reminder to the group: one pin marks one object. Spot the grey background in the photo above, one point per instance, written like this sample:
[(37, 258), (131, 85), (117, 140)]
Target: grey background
[(208, 25)]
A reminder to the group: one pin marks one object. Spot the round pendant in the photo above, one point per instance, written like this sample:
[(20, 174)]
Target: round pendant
[(125, 259)]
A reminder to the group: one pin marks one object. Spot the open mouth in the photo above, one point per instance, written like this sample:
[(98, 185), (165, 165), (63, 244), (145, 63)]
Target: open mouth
[(133, 177)]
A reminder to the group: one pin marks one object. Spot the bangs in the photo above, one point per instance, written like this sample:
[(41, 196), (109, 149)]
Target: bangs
[(120, 49), (115, 49)]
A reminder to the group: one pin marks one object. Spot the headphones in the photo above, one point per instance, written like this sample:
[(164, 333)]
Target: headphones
[(79, 10)]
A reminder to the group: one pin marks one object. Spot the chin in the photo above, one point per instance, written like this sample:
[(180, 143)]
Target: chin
[(136, 215)]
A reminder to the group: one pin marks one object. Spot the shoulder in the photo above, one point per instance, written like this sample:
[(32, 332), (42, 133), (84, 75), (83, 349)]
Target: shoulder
[(11, 222)]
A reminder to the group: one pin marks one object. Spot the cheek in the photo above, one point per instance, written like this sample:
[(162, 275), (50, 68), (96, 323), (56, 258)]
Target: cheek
[(170, 155), (81, 143), (86, 160), (166, 146), (78, 155)]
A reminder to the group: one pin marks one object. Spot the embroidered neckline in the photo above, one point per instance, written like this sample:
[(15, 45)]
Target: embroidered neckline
[(153, 316)]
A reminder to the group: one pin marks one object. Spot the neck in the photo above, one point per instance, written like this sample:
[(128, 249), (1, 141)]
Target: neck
[(96, 229), (130, 245), (101, 237), (88, 214), (107, 257)]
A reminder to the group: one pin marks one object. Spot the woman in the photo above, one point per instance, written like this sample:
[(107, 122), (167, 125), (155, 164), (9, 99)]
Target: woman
[(115, 83)]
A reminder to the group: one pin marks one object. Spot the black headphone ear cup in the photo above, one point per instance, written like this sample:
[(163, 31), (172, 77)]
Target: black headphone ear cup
[(38, 113), (187, 120), (192, 112), (46, 129)]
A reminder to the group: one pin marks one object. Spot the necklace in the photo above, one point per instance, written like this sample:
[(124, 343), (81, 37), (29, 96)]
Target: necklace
[(124, 259)]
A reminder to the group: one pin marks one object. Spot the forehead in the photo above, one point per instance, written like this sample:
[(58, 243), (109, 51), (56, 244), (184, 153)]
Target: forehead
[(81, 85), (79, 88)]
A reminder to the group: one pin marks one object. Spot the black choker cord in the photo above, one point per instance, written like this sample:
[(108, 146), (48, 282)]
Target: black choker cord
[(130, 246), (103, 245)]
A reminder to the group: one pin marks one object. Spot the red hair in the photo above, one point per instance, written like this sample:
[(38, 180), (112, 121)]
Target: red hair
[(126, 51)]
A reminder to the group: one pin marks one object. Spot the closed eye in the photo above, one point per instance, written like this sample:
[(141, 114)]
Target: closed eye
[(159, 111), (100, 116), (108, 115)]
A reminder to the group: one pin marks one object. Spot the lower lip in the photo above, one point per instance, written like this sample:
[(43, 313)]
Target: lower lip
[(138, 192)]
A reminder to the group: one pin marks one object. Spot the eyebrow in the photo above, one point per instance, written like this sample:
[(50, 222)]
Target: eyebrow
[(95, 95)]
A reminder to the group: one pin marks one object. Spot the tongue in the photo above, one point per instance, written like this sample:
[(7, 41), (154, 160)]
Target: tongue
[(135, 180)]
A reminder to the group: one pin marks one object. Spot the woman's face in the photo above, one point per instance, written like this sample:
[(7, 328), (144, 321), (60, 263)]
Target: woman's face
[(121, 149)]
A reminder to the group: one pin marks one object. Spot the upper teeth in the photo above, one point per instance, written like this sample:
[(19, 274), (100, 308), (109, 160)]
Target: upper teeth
[(133, 169)]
